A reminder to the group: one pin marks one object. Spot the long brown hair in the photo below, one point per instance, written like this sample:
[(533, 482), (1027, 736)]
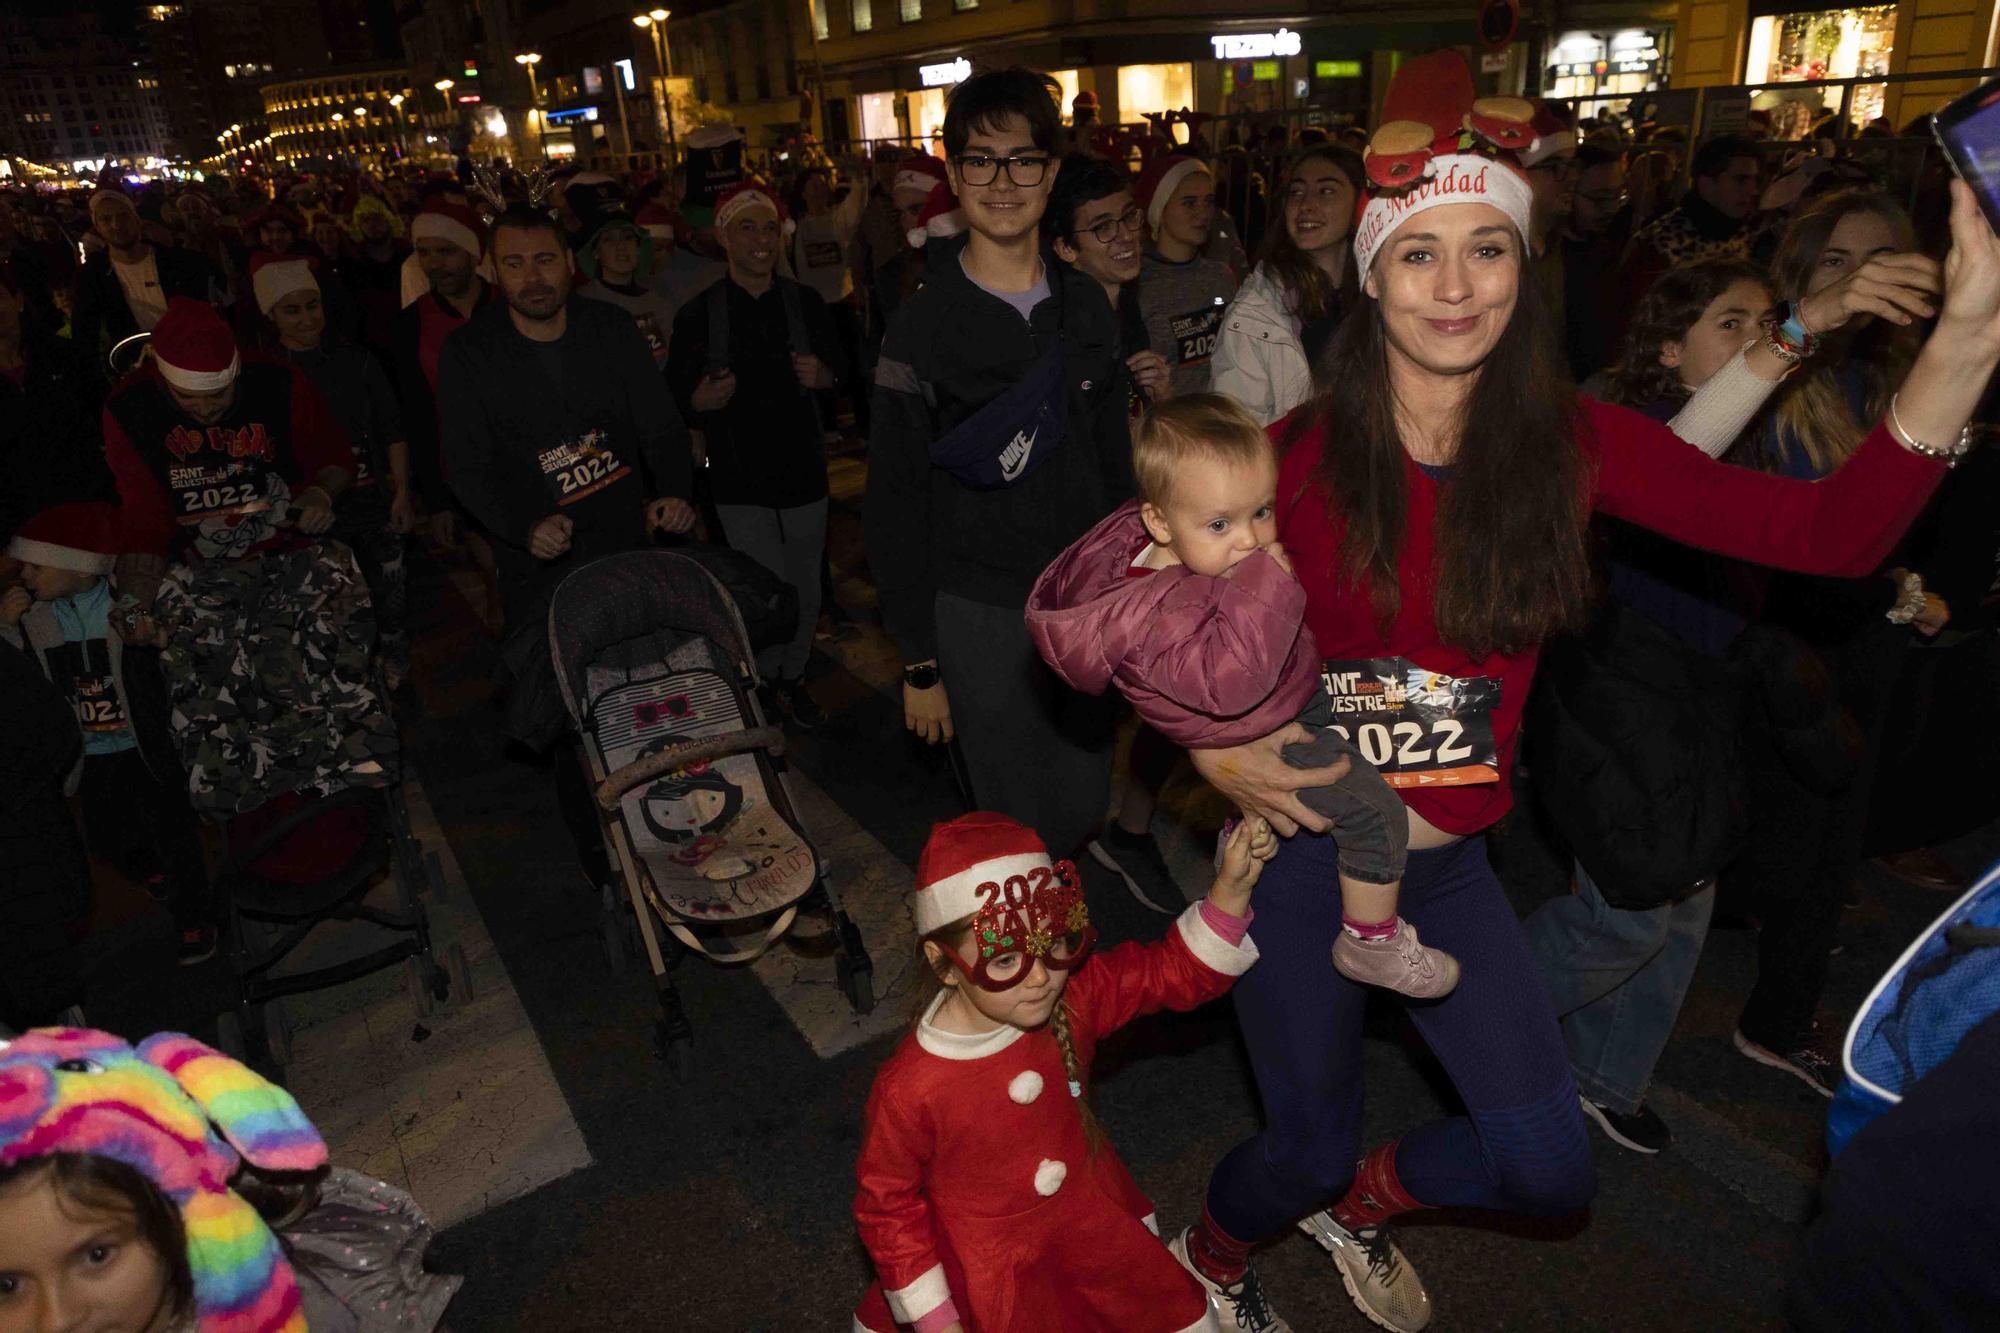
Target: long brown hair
[(1313, 294), (932, 982), (1512, 560), (1813, 407)]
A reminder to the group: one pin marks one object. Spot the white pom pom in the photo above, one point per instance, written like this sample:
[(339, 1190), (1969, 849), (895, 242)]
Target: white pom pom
[(1049, 1177), (1025, 1087)]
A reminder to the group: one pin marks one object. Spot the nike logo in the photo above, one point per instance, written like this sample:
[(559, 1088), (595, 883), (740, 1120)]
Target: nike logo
[(1014, 458)]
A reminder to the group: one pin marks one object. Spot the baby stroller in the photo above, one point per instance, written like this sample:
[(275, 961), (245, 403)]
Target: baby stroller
[(657, 673)]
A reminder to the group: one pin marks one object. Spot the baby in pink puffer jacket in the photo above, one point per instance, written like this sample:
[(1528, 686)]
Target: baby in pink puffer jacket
[(1185, 601)]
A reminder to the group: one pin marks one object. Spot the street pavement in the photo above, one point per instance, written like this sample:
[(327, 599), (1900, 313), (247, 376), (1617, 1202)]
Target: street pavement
[(594, 1186)]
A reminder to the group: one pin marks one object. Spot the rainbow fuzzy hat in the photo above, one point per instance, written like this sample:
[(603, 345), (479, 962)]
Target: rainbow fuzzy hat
[(157, 1109)]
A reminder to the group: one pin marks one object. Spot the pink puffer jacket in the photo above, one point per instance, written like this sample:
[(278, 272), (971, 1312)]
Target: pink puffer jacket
[(1208, 662)]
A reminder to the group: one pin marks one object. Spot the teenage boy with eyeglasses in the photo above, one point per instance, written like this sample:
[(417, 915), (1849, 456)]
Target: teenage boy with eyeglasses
[(1000, 436)]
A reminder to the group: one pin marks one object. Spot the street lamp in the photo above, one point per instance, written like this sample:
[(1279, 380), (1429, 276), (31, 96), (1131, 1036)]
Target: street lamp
[(528, 60), (654, 21)]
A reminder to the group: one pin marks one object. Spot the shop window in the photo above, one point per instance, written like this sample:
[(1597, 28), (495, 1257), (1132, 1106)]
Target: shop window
[(1149, 88), (1824, 44), (878, 116), (862, 12), (909, 11), (819, 20), (1065, 80), (962, 5), (927, 114)]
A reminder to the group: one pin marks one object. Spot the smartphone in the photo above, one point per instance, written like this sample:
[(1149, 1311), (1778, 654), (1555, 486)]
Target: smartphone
[(1968, 130)]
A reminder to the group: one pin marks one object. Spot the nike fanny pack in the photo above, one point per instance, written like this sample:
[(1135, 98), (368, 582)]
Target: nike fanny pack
[(1012, 435)]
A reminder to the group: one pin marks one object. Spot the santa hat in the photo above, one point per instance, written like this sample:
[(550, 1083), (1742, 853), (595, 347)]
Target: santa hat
[(193, 348), (741, 198), (1084, 101), (82, 537), (1438, 144), (1553, 136), (919, 171), (981, 848), (940, 216), (658, 221), (443, 220), (274, 277), (275, 212), (1158, 182)]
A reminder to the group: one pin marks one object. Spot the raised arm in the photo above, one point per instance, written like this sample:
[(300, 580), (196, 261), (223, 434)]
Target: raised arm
[(1846, 523)]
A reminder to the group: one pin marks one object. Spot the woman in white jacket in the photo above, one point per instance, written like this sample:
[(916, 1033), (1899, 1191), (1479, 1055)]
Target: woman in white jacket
[(1288, 307)]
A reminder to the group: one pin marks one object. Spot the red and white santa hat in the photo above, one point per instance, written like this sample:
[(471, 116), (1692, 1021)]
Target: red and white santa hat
[(82, 536), (1439, 144), (1554, 137), (1159, 180), (745, 196), (193, 348), (274, 277), (919, 171), (970, 851), (940, 216), (658, 220), (443, 220)]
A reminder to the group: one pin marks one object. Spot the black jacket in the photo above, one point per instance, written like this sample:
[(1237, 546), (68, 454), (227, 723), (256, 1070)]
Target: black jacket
[(419, 399), (951, 349), (594, 440), (44, 880), (101, 317), (51, 436), (765, 445)]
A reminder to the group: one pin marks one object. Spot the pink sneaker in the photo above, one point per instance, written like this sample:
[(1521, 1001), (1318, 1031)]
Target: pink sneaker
[(1400, 963)]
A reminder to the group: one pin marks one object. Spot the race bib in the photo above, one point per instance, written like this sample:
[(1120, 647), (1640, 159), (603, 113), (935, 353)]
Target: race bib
[(822, 254), (577, 469), (1194, 334), (97, 707), (225, 489), (1418, 728)]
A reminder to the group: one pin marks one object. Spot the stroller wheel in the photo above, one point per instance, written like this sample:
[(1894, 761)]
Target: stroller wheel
[(278, 1032), (417, 970), (459, 971), (857, 981), (229, 1036)]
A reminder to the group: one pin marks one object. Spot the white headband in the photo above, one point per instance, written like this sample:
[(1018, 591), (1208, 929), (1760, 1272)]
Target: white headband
[(1456, 178)]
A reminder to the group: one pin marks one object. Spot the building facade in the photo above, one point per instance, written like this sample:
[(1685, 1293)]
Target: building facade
[(358, 116), (1738, 43), (73, 96)]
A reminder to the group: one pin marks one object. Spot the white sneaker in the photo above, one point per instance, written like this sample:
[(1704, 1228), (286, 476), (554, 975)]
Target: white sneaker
[(1238, 1306), (1377, 1276)]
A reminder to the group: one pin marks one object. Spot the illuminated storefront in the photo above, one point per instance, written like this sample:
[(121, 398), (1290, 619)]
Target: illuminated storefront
[(1603, 70), (1819, 44)]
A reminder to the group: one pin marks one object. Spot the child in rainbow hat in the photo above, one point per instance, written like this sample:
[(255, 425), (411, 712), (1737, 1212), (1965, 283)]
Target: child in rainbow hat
[(118, 1200)]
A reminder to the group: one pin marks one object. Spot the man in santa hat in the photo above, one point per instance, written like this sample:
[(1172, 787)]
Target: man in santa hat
[(227, 472), (746, 359)]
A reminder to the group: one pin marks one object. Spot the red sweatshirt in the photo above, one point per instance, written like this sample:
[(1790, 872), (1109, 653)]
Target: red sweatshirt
[(1843, 525)]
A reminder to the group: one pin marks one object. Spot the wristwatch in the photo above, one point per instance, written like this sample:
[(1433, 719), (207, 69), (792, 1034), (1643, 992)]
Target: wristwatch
[(920, 677)]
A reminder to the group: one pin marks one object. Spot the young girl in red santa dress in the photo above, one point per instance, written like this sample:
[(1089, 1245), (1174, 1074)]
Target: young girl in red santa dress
[(989, 1200)]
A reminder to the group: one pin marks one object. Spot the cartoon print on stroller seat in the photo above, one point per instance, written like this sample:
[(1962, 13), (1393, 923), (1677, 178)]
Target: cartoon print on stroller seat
[(658, 674)]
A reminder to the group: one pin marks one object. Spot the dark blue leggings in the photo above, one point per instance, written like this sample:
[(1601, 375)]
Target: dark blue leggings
[(1522, 1148)]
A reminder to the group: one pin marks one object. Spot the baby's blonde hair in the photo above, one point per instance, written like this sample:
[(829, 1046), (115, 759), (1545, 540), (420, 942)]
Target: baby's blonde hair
[(1197, 425)]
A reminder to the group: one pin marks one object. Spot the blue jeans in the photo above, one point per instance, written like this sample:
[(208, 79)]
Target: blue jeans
[(1617, 979)]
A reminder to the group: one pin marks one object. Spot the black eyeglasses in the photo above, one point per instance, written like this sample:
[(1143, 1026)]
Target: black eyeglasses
[(1132, 220), (978, 169)]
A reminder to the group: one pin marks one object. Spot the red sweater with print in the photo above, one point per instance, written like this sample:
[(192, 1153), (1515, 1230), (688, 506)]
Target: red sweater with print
[(1842, 525)]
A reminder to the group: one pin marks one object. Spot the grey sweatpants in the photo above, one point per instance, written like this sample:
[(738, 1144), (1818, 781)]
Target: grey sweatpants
[(788, 542), (1035, 748)]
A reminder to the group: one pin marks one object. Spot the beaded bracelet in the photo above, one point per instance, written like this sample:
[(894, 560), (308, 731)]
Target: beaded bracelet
[(1910, 603), (1792, 334), (1949, 455)]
